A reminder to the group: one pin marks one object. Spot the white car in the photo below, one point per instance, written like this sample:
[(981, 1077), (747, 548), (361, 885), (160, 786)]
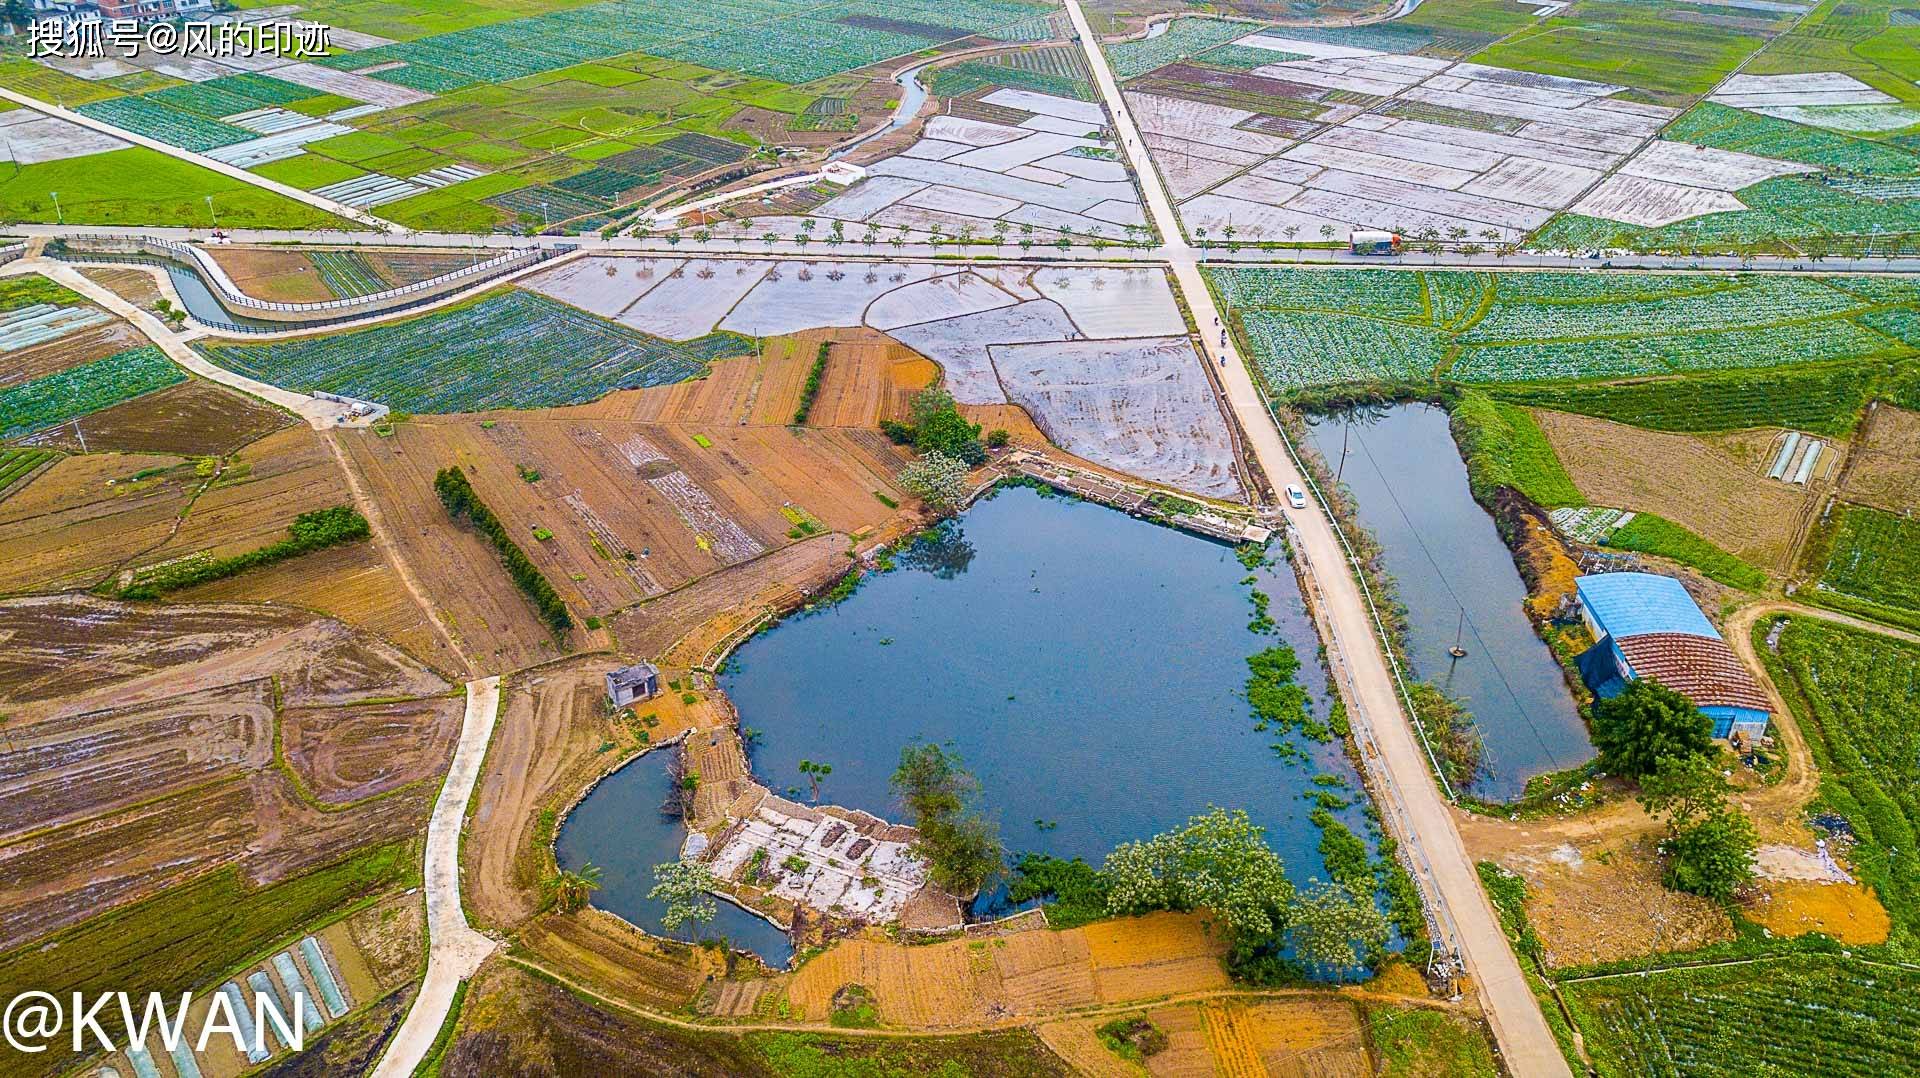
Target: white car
[(1296, 497)]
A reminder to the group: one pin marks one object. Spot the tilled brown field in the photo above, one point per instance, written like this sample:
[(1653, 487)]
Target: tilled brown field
[(136, 286), (277, 274), (59, 647), (973, 981), (81, 519), (258, 492), (26, 364), (1884, 468), (346, 754), (143, 743), (1704, 488), (634, 510), (352, 583), (193, 418)]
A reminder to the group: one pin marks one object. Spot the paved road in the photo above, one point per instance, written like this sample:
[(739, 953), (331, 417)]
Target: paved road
[(1311, 257), (339, 209), (455, 949), (1398, 764)]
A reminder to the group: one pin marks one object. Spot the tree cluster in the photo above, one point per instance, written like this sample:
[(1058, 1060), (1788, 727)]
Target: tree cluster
[(961, 847), (461, 501), (938, 427), (1656, 735)]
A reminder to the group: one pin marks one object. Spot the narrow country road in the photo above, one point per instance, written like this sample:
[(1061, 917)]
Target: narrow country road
[(1392, 755), (318, 413), (455, 950)]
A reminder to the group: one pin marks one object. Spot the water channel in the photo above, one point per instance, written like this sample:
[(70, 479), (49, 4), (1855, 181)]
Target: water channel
[(1457, 579), (1090, 669)]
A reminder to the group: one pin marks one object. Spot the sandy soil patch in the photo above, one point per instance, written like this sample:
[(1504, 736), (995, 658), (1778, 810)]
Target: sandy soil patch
[(1690, 481), (1848, 912)]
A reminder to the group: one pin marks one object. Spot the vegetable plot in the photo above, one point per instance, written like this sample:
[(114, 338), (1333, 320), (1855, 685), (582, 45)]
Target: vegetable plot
[(76, 391), (1311, 329), (515, 350)]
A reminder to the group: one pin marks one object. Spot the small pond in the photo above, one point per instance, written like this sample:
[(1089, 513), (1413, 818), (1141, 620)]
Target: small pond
[(620, 828), (1447, 557)]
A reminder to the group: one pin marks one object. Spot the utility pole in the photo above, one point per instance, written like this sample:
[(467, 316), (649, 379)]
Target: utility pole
[(58, 217)]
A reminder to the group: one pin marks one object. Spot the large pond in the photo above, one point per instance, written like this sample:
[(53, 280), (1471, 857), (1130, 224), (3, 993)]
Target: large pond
[(1088, 667), (1458, 581)]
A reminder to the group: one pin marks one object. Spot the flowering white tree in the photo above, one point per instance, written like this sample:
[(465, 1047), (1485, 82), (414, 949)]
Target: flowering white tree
[(1218, 861), (937, 479)]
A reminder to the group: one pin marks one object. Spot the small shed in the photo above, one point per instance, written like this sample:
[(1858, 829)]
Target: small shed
[(641, 681)]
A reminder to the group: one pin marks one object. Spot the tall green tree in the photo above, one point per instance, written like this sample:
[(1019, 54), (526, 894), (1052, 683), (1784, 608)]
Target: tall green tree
[(1646, 723), (961, 846), (938, 427), (1684, 790), (1712, 858)]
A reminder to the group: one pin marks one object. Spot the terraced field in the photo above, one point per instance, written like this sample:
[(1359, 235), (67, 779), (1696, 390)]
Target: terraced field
[(513, 350)]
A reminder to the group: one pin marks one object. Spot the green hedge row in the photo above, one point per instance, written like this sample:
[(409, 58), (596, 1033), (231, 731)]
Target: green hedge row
[(812, 388), (458, 496), (313, 531)]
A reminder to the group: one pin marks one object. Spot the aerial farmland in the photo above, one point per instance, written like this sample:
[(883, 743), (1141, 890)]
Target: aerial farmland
[(988, 538)]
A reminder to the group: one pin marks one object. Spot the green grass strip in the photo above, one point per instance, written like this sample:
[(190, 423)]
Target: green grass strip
[(461, 501), (1648, 533)]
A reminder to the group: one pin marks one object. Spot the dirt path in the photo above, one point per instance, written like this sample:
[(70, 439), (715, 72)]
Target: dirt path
[(383, 542), (1394, 759), (322, 415), (456, 950)]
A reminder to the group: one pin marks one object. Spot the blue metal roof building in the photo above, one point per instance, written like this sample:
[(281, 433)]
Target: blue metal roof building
[(1621, 605), (1647, 625)]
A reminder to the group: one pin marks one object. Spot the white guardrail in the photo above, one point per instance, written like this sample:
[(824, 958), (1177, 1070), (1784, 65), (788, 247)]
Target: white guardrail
[(230, 292), (11, 252)]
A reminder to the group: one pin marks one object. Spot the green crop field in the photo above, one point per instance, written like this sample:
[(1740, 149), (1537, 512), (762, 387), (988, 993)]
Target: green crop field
[(511, 350), (1816, 1014), (1824, 399), (1310, 329), (1183, 38), (139, 186), (1874, 556), (1857, 698), (89, 387), (1650, 47)]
